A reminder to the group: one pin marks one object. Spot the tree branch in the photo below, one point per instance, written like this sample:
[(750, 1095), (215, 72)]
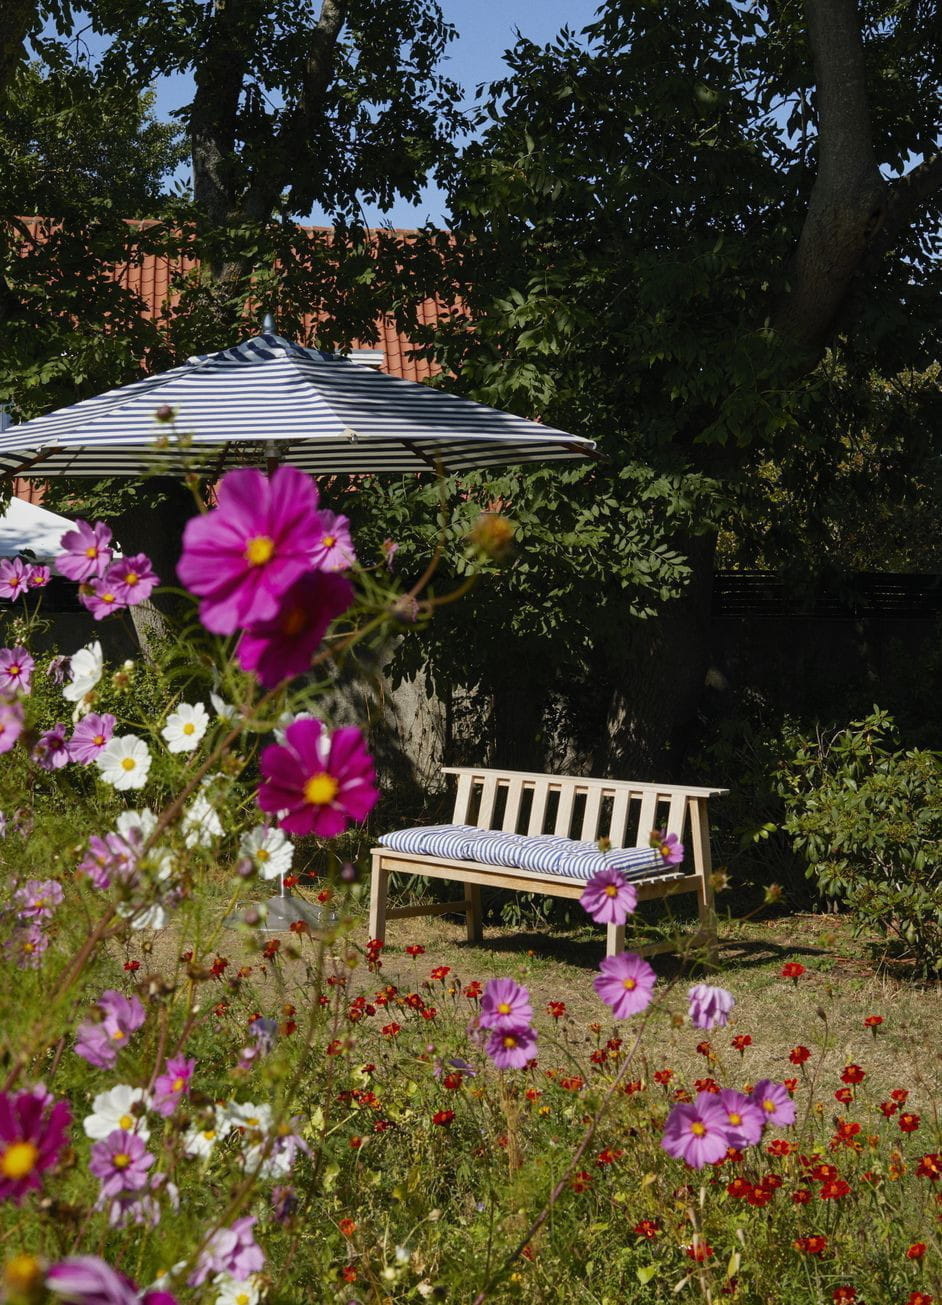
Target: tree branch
[(907, 198)]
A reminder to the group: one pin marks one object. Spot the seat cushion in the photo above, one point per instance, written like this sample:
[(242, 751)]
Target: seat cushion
[(544, 853)]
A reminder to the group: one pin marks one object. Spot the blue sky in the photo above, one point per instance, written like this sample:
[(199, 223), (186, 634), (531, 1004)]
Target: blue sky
[(485, 31)]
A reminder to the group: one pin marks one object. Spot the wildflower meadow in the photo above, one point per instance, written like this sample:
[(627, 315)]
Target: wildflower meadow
[(195, 1109)]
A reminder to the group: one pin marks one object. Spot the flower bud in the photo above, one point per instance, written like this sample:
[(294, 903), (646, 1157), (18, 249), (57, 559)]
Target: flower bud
[(164, 413)]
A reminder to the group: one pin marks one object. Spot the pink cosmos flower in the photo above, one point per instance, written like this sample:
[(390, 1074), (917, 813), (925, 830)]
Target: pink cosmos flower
[(11, 724), (669, 846), (626, 983), (58, 669), (87, 1280), (90, 736), (242, 557), (38, 577), (696, 1132), (230, 1250), (33, 1135), (324, 781), (744, 1119), (87, 553), (334, 548), (100, 596), (16, 671), (773, 1100), (100, 1042), (26, 947), (109, 858), (38, 898), (608, 897), (282, 647), (505, 1005), (52, 748), (172, 1085), (512, 1048), (14, 578), (121, 1161), (709, 1007), (132, 579)]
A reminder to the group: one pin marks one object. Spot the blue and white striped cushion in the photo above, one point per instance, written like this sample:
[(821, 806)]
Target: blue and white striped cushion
[(544, 853)]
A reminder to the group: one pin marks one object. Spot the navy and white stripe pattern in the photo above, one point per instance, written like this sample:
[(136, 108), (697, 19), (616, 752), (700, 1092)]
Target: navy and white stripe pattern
[(543, 854), (268, 398)]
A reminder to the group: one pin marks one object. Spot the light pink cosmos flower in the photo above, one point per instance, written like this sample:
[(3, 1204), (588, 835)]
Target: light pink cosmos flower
[(90, 736), (505, 1005), (283, 647), (245, 554), (121, 1161), (230, 1250), (11, 724), (26, 947), (334, 550), (709, 1006), (669, 846), (132, 579), (33, 1134), (39, 577), (110, 858), (626, 983), (14, 578), (100, 597), (51, 751), (744, 1119), (172, 1085), (323, 781), (609, 897), (88, 1280), (16, 671), (512, 1048), (87, 552), (696, 1132), (774, 1101), (38, 899), (100, 1042)]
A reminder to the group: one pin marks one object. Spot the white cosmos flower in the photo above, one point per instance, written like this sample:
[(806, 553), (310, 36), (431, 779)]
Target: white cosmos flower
[(199, 1142), (114, 1109), (224, 710), (247, 1115), (268, 850), (151, 917), (233, 1292), (201, 822), (289, 718), (185, 727), (124, 762), (85, 668)]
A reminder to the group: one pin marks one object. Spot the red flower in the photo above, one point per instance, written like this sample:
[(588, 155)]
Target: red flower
[(647, 1228), (663, 1076), (443, 1118), (347, 1226), (355, 1143), (348, 1273), (844, 1096), (572, 1084), (780, 1147), (908, 1122), (853, 1074), (390, 1030), (844, 1295), (739, 1188), (556, 1008), (771, 1182), (415, 950), (334, 1048), (704, 1049), (271, 949), (473, 990), (900, 1095), (291, 881), (741, 1042), (918, 1298), (132, 966), (791, 970), (609, 1156), (218, 967), (888, 1108), (798, 1055), (873, 1021), (916, 1251), (429, 1012), (699, 1250), (452, 1082), (930, 1166), (814, 1245), (580, 1181), (758, 1197), (707, 1085), (834, 1190), (801, 1196), (790, 1085), (440, 972)]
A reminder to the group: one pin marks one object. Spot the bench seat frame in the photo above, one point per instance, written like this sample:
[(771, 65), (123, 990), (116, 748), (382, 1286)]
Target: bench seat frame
[(635, 811)]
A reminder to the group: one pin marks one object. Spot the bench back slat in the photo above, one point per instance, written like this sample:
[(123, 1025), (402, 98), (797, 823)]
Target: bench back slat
[(512, 808), (592, 814), (538, 807), (567, 796)]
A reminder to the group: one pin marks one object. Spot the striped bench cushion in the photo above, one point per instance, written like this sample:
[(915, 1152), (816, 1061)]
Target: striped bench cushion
[(545, 853)]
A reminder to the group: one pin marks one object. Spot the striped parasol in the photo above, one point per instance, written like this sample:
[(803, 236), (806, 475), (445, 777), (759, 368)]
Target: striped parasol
[(269, 400)]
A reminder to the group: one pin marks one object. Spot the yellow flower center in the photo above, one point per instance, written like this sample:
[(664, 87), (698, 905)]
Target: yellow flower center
[(91, 551), (121, 1160), (99, 740), (189, 728), (253, 1122), (504, 1008), (14, 669), (263, 855), (293, 622), (320, 790), (29, 948), (22, 1274), (131, 578), (209, 1134), (735, 1118), (768, 1105), (126, 1122), (177, 1085), (243, 1299), (698, 1129), (117, 1036), (128, 763), (629, 984), (107, 598), (611, 890), (509, 1040), (19, 1160), (259, 550), (329, 540)]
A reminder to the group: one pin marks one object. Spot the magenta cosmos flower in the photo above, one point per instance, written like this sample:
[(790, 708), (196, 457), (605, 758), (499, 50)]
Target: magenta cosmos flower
[(744, 1119), (87, 553), (133, 579), (773, 1100), (172, 1085), (38, 898), (608, 897), (87, 1280), (512, 1048), (323, 781), (121, 1161), (243, 556), (669, 846), (33, 1134), (505, 1005), (709, 1007), (626, 983), (16, 671), (334, 549), (230, 1250), (14, 578), (100, 1042), (90, 736), (51, 751), (282, 647), (38, 577), (696, 1131), (100, 596), (11, 724)]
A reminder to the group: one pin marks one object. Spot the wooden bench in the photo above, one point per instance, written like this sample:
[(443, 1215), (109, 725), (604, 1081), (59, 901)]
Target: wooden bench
[(621, 811)]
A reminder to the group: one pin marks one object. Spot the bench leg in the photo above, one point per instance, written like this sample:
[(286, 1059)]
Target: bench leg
[(703, 864), (614, 939), (474, 921), (379, 884)]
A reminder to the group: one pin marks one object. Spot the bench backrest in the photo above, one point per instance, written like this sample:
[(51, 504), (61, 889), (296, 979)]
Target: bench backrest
[(620, 810)]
